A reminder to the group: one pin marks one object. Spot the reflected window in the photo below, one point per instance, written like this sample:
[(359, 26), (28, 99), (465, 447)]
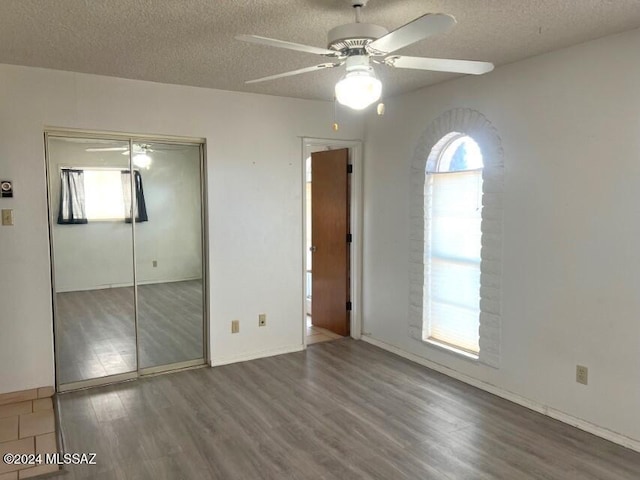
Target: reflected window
[(453, 215), (99, 194), (104, 195)]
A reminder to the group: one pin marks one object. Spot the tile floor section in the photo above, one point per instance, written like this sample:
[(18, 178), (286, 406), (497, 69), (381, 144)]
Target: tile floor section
[(317, 334), (27, 426)]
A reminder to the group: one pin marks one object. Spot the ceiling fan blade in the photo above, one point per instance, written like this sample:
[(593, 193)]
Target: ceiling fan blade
[(296, 72), (106, 149), (137, 151), (272, 42), (440, 64), (419, 29)]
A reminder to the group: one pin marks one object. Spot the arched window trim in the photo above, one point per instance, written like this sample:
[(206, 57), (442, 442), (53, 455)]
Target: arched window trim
[(477, 126)]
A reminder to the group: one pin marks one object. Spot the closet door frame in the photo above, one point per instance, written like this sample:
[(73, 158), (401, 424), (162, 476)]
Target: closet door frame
[(131, 139)]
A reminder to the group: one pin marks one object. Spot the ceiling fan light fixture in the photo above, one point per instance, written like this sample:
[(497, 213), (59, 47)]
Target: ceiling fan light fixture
[(142, 160), (360, 87)]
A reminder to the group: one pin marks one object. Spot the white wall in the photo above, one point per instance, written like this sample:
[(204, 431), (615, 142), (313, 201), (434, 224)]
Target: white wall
[(255, 206), (173, 235), (100, 254), (570, 127)]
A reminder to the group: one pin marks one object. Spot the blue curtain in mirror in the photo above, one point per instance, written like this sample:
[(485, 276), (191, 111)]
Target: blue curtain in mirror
[(140, 206), (72, 198)]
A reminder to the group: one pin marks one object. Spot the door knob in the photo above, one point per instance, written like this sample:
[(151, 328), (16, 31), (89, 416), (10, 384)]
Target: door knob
[(313, 248)]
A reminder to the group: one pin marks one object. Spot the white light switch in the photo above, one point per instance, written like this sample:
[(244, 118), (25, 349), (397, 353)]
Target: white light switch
[(7, 217)]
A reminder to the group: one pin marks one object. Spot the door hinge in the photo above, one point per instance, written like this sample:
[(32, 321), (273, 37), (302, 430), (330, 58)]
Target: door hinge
[(349, 168), (349, 238), (349, 306)]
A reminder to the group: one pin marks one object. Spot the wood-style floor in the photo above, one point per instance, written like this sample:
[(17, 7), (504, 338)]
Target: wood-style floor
[(96, 335), (339, 410)]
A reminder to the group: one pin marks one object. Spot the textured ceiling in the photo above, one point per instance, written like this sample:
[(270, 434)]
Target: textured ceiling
[(190, 42)]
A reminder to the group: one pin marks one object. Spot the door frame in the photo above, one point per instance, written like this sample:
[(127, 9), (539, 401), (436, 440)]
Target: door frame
[(310, 145), (206, 340)]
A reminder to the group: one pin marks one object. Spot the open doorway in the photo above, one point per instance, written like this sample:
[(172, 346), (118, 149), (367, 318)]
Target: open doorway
[(331, 240)]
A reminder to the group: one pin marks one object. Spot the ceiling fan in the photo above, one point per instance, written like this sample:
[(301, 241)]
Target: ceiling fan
[(358, 45), (141, 157), (137, 148)]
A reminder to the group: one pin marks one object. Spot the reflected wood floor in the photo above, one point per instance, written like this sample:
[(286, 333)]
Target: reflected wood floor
[(339, 410), (96, 335)]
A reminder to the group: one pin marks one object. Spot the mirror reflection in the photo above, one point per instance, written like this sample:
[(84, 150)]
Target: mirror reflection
[(169, 256), (93, 252), (127, 248)]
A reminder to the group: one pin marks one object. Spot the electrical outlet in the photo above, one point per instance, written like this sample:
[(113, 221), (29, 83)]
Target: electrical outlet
[(7, 217), (155, 263), (262, 320), (582, 374), (235, 326)]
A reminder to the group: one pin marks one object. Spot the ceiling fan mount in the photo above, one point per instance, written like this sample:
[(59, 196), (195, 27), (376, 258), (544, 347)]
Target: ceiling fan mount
[(359, 44), (138, 148), (353, 38)]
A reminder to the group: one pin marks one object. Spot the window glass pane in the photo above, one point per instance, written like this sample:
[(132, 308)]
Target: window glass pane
[(455, 283), (452, 246), (455, 214), (456, 330), (463, 153)]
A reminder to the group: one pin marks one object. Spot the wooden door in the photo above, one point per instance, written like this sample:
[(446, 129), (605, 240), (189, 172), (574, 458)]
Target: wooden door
[(329, 239)]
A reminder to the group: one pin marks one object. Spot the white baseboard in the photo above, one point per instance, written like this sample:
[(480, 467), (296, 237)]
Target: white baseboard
[(217, 362), (120, 285), (605, 433)]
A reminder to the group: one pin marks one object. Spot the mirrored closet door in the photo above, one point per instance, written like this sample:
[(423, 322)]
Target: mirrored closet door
[(169, 257), (126, 224)]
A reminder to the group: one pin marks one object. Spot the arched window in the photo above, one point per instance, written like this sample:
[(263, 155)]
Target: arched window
[(453, 213), (457, 178)]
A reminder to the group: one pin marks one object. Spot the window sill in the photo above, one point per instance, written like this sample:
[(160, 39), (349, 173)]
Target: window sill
[(453, 350)]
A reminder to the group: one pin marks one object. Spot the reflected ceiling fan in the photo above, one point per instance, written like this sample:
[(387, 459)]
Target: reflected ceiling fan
[(137, 148), (358, 45), (141, 157)]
